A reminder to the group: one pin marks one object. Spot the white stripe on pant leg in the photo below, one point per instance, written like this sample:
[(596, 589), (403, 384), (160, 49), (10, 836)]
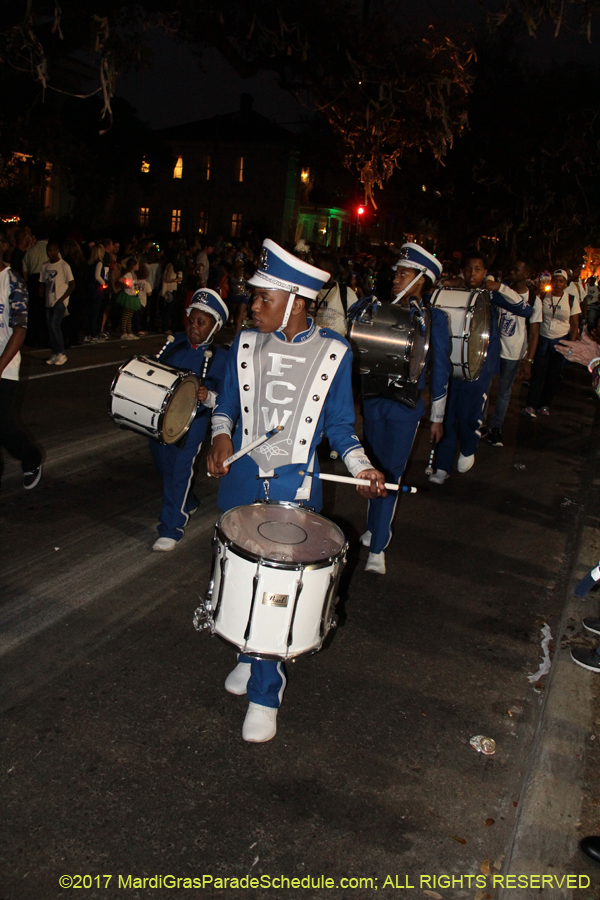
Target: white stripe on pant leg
[(182, 510), (398, 492), (482, 420), (283, 681)]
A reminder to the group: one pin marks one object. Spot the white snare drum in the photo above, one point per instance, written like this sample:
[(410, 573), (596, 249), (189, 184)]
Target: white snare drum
[(389, 339), (154, 399), (469, 314), (273, 589)]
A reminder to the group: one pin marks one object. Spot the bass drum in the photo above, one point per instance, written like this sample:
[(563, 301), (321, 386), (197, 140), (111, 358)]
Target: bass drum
[(469, 318), (154, 399), (273, 590), (389, 340)]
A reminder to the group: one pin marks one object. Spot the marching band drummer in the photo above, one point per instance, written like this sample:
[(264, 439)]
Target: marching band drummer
[(204, 317), (392, 412), (285, 372)]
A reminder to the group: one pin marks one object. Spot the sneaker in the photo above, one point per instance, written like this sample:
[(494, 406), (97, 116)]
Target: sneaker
[(543, 411), (32, 477), (52, 360), (591, 624), (439, 476), (376, 563), (465, 463), (60, 359), (102, 336), (87, 339), (237, 680), (495, 438), (365, 539), (133, 337), (529, 411), (587, 659), (165, 544), (260, 724), (125, 337), (142, 333)]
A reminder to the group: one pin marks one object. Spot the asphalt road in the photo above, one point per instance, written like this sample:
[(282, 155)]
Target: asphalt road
[(121, 752)]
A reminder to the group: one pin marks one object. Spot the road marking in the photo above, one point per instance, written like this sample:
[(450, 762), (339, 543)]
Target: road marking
[(116, 362)]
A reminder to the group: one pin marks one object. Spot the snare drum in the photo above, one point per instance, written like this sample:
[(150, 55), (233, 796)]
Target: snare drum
[(469, 314), (390, 340), (154, 399), (273, 589)]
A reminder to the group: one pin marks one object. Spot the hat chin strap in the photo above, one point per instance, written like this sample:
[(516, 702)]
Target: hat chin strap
[(288, 309), (399, 296)]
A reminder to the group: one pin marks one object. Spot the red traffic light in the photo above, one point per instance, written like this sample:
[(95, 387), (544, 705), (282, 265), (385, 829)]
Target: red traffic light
[(360, 210)]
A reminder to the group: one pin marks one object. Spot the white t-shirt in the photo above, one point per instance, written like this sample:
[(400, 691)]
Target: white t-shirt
[(56, 276), (330, 309), (556, 315), (513, 329), (578, 289)]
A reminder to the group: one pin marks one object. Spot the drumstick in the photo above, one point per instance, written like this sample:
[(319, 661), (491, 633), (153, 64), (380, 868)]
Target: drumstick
[(429, 469), (249, 447), (168, 341), (207, 359), (344, 479)]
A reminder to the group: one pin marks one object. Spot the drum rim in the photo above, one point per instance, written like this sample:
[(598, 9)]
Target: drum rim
[(277, 564)]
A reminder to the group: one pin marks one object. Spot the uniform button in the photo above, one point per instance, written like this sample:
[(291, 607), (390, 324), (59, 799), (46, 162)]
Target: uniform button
[(245, 346), (244, 365), (246, 387), (302, 441), (324, 377), (245, 431), (316, 398), (308, 419), (324, 334), (333, 356), (247, 410)]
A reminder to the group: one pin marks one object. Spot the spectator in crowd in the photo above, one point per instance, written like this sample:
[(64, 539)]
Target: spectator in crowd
[(96, 285), (128, 298), (32, 263), (592, 303), (73, 255), (560, 320), (237, 296), (58, 284), (168, 293), (334, 299), (22, 244)]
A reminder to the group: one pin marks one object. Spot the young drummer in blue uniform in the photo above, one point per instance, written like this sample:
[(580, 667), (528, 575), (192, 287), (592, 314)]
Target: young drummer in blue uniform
[(204, 317), (465, 410), (286, 372), (392, 412)]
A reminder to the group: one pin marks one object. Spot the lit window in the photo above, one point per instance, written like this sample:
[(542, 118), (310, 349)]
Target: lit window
[(203, 223), (178, 170), (144, 215), (239, 168), (175, 219), (236, 225), (207, 167), (145, 167), (304, 175)]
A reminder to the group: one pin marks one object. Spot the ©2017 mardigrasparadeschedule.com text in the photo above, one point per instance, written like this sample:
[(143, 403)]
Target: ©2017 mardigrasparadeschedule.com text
[(431, 883)]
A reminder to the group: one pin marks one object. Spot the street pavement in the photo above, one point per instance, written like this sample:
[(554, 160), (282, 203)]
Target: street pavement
[(121, 752)]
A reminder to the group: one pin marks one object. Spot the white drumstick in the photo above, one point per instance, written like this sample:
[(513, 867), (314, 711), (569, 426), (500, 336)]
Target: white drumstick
[(207, 359), (249, 447), (168, 341), (344, 479), (429, 469)]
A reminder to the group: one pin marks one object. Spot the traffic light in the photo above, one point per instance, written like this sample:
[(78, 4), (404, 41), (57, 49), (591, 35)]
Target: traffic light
[(360, 210)]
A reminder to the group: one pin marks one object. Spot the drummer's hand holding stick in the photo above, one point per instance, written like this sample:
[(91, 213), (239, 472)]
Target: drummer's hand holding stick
[(221, 449), (202, 393), (375, 486)]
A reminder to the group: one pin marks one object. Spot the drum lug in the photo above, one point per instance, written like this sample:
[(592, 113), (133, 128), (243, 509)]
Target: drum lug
[(201, 619)]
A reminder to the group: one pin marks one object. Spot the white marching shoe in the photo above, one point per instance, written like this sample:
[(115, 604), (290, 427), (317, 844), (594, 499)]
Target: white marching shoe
[(260, 724), (465, 462), (165, 544), (365, 539), (439, 476), (376, 563), (237, 680)]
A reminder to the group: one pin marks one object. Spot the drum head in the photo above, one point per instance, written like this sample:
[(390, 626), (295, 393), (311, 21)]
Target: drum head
[(180, 411), (479, 335), (419, 348), (282, 533)]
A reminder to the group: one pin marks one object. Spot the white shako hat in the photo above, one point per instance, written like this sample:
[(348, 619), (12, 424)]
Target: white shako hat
[(279, 270), (413, 256), (209, 302)]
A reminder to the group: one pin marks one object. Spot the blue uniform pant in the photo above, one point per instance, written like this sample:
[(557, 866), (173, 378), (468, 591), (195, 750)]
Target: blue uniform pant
[(176, 466), (267, 681), (389, 433), (508, 373), (464, 416)]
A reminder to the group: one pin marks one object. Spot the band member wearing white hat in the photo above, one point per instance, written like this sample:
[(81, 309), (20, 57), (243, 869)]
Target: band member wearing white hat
[(286, 372), (192, 350), (392, 411)]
